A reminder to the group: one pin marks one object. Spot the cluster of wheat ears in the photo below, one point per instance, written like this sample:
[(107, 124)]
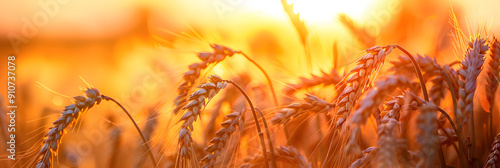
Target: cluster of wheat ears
[(361, 97)]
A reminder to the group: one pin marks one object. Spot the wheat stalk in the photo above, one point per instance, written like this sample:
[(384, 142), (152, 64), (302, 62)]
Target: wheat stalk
[(115, 141), (149, 129), (357, 80), (69, 116), (194, 108), (219, 142), (431, 71), (311, 104), (494, 156), (283, 154), (220, 53), (428, 65)]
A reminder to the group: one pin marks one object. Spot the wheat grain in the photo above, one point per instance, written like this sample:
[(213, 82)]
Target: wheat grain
[(357, 80), (283, 154), (219, 142), (194, 108), (494, 155), (220, 53), (69, 117), (311, 104)]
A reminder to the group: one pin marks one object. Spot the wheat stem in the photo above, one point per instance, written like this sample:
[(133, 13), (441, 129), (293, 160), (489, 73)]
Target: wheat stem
[(265, 74), (417, 70), (261, 134), (136, 127)]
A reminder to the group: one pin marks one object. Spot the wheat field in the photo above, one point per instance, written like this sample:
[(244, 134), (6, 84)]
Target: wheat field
[(206, 84)]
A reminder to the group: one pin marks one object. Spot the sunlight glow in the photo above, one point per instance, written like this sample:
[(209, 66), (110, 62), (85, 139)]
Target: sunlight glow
[(327, 10), (315, 11)]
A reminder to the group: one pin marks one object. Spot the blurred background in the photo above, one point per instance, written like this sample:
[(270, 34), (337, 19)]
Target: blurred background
[(137, 50)]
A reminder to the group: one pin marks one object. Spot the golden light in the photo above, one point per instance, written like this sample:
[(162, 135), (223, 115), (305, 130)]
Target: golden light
[(317, 11), (314, 11)]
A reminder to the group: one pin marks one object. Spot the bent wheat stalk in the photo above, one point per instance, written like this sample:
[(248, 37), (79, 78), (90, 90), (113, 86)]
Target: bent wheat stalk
[(261, 135), (269, 81), (220, 53), (144, 139), (207, 58), (68, 118)]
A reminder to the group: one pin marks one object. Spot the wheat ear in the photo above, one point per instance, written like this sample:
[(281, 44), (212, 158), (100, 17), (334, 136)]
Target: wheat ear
[(394, 107), (471, 67), (427, 135), (220, 53), (325, 79), (357, 80), (359, 32), (311, 104), (69, 116), (494, 156), (492, 79), (283, 154), (369, 104), (219, 142), (257, 125), (388, 135), (194, 108)]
